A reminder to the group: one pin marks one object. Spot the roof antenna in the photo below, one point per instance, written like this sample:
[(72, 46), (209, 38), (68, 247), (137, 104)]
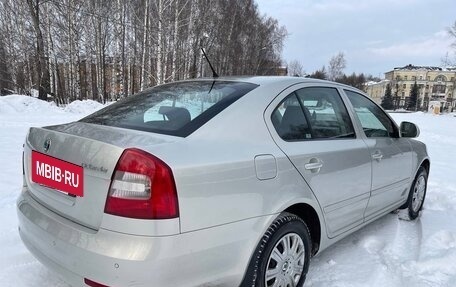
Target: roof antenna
[(214, 73)]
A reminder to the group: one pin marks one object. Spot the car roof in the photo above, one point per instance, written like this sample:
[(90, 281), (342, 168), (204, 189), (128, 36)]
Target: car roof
[(273, 80)]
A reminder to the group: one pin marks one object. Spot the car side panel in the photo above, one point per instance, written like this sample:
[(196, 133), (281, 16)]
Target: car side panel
[(342, 184), (217, 183), (222, 192), (391, 175), (419, 155)]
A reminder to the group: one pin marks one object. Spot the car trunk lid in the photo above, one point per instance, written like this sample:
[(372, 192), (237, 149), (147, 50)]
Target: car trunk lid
[(96, 150)]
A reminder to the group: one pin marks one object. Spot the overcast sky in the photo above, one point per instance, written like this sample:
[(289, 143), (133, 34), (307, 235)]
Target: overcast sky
[(375, 35)]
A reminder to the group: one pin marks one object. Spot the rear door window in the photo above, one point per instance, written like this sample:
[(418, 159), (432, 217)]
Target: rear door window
[(289, 120), (175, 109), (312, 113)]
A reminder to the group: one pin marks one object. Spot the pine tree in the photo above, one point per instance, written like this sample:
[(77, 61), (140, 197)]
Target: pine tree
[(355, 80), (411, 105), (319, 74), (387, 101)]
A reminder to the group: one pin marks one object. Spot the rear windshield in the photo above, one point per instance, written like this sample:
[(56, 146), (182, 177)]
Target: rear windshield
[(175, 109)]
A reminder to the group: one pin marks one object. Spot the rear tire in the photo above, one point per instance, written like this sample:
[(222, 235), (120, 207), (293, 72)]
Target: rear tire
[(282, 256), (412, 208)]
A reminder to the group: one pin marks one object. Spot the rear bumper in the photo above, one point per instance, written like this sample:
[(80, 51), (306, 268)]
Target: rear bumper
[(215, 256)]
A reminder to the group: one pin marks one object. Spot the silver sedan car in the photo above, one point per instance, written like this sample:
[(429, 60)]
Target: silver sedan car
[(215, 182)]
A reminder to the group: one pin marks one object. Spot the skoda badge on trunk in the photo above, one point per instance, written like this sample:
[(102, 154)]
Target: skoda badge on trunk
[(47, 145)]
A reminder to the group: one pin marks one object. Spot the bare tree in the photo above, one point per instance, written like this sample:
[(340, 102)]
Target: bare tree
[(336, 66), (107, 49), (144, 47), (4, 71), (42, 75), (295, 69), (452, 33)]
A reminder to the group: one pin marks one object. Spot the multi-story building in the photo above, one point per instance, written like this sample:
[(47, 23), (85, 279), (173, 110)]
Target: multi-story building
[(376, 90), (435, 84)]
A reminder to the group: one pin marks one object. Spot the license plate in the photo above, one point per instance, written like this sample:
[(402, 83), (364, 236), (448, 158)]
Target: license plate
[(57, 174)]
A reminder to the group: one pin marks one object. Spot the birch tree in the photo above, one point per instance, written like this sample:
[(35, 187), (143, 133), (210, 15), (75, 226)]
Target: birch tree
[(103, 50), (42, 75), (336, 66)]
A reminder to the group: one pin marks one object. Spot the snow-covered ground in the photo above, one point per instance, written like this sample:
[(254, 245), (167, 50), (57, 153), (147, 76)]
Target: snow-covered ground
[(392, 252), (388, 252), (17, 114)]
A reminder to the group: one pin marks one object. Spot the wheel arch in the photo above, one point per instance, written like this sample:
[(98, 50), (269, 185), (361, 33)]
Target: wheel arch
[(310, 216), (426, 163), (307, 213)]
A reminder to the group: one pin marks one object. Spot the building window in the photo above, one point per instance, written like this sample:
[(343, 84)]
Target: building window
[(405, 78), (403, 94), (404, 86), (421, 77), (398, 78), (413, 78), (438, 89), (440, 78), (428, 78)]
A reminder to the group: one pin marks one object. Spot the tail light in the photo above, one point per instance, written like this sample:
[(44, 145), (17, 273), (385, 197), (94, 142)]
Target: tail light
[(142, 187)]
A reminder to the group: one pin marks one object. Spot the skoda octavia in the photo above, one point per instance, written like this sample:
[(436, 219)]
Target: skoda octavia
[(215, 182)]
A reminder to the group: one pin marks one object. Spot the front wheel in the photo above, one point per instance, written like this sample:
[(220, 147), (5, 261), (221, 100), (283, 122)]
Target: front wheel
[(282, 256), (411, 209)]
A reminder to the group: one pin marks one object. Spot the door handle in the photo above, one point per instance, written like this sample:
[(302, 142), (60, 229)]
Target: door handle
[(313, 165), (377, 156)]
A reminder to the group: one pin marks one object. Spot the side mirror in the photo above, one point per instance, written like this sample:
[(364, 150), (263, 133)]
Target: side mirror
[(409, 130)]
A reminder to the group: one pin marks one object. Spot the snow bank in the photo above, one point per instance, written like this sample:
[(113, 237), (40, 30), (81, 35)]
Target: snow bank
[(19, 104), (23, 104), (83, 107)]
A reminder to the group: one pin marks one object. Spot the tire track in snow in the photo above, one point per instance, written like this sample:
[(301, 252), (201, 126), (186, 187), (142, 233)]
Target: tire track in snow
[(404, 247)]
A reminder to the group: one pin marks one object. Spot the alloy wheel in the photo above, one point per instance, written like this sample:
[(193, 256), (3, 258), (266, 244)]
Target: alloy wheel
[(286, 262)]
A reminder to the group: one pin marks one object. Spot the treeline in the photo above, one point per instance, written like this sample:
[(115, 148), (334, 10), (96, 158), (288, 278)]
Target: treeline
[(334, 71), (355, 80), (96, 49)]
